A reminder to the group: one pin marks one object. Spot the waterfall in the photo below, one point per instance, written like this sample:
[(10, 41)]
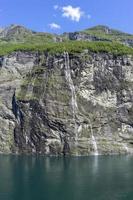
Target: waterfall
[(71, 85), (26, 139), (73, 93), (16, 110), (93, 140), (74, 103), (126, 148), (94, 145)]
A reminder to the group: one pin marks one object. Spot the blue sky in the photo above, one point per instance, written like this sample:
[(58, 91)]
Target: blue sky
[(67, 15)]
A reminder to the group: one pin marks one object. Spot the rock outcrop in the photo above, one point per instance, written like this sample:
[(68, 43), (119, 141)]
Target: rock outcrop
[(66, 104), (81, 36)]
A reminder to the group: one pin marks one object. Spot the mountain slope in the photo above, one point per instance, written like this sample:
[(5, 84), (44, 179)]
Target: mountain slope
[(102, 33), (110, 34), (20, 34)]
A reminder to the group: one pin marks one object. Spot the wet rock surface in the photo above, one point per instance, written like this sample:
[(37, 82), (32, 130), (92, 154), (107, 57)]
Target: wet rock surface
[(66, 104)]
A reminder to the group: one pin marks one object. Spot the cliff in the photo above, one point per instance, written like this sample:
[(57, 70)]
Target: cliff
[(66, 103)]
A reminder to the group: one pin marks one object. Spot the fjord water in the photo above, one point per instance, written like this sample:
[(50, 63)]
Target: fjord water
[(77, 178)]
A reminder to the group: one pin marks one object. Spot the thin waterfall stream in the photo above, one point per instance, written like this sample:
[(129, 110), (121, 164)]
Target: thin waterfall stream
[(74, 103), (94, 145), (72, 88), (126, 147), (93, 140)]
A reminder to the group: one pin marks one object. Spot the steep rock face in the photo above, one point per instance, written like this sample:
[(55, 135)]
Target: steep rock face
[(12, 70), (76, 104)]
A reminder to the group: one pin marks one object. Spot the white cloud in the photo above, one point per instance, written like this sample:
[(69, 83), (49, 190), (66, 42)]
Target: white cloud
[(54, 26), (56, 7), (73, 13)]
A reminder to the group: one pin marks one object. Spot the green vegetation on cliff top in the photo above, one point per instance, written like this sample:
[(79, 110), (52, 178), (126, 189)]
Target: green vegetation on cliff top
[(71, 47), (18, 38)]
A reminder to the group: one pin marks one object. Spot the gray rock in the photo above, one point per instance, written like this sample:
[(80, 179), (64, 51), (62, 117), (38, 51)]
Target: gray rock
[(66, 104)]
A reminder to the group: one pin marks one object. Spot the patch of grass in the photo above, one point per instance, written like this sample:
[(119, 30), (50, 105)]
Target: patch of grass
[(70, 47)]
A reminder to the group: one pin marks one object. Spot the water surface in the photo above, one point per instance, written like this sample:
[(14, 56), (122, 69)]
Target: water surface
[(81, 178)]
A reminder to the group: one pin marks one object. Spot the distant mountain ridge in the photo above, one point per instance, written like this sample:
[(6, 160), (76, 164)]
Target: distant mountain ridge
[(20, 34), (102, 33)]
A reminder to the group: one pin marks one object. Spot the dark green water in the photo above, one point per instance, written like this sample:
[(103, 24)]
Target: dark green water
[(83, 178)]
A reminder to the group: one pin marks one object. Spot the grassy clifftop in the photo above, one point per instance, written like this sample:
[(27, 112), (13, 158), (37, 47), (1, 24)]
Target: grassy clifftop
[(18, 38), (71, 47)]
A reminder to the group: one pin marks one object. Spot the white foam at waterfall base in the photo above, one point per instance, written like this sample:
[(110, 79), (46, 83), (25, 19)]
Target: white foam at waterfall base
[(93, 140), (126, 148), (94, 145)]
